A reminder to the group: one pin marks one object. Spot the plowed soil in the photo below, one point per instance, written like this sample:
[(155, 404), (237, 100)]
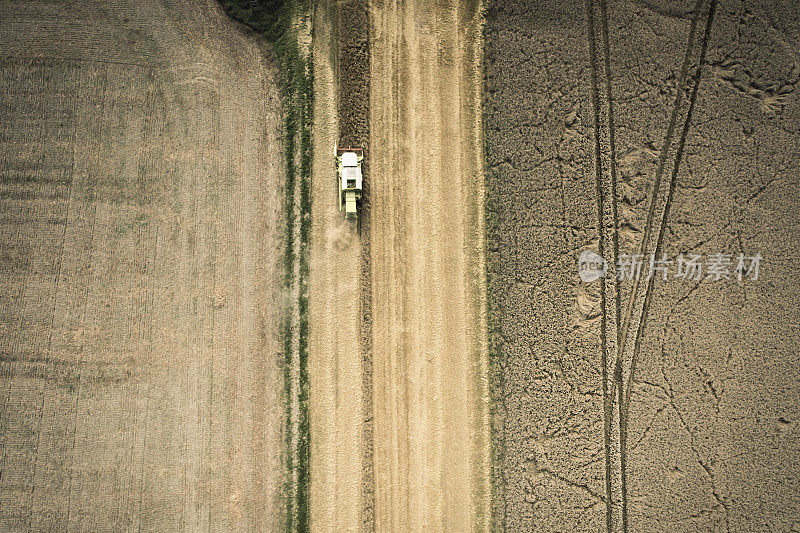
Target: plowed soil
[(140, 246)]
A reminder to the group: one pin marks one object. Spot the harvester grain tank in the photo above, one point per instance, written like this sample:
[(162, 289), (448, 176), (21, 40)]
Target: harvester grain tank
[(348, 167)]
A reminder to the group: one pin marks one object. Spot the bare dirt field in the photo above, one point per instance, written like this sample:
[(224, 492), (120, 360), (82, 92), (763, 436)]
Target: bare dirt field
[(141, 245), (662, 127), (430, 393)]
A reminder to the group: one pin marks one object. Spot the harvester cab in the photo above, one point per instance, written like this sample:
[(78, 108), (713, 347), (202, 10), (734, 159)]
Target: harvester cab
[(348, 167)]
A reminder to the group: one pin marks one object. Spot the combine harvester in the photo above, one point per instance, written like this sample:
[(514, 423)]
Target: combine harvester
[(348, 167)]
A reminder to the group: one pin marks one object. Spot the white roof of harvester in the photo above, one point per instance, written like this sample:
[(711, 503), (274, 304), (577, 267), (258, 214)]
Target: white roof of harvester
[(349, 159)]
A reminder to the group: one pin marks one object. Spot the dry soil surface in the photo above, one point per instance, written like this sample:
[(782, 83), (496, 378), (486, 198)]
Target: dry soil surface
[(430, 393), (140, 241), (663, 406)]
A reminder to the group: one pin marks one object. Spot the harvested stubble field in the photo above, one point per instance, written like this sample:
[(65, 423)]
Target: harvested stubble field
[(399, 403), (141, 247), (429, 345), (590, 108)]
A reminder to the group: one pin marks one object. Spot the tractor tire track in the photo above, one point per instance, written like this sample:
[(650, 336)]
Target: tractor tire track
[(608, 235), (615, 394), (668, 204), (600, 193), (612, 154), (663, 156), (623, 393)]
